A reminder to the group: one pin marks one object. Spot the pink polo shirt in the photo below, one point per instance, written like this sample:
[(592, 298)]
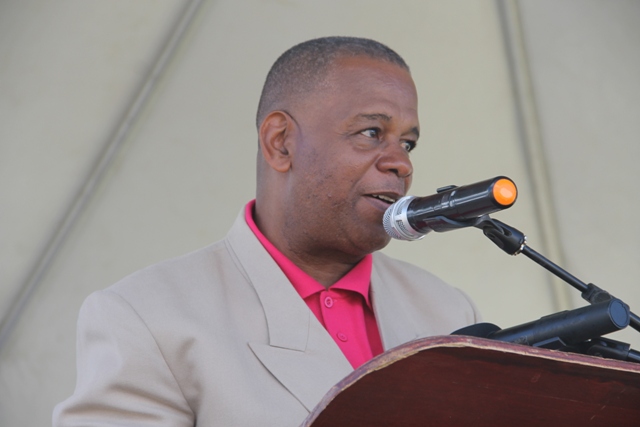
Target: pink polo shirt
[(344, 309)]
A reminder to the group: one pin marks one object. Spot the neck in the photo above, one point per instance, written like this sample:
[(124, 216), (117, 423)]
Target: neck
[(325, 271), (325, 266)]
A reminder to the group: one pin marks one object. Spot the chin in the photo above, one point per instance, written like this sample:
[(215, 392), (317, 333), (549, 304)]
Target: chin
[(383, 244), (375, 244)]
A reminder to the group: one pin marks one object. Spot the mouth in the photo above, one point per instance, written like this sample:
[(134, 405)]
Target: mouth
[(387, 198)]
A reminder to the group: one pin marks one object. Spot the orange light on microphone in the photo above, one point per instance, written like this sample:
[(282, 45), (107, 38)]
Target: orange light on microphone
[(505, 192)]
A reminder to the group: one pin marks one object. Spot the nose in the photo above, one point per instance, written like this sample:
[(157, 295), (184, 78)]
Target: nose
[(395, 159)]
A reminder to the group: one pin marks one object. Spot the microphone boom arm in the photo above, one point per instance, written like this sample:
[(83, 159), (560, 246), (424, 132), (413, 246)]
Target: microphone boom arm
[(514, 242)]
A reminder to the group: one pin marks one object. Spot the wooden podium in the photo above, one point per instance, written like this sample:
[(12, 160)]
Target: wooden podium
[(464, 381)]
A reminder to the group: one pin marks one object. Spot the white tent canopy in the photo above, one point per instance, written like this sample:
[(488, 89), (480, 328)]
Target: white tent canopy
[(127, 136)]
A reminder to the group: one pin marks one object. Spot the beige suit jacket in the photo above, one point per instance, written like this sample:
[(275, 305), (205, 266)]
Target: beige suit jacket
[(219, 337)]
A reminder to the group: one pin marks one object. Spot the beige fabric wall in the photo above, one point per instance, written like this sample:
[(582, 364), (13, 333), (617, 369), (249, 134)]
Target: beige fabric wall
[(585, 68), (76, 77)]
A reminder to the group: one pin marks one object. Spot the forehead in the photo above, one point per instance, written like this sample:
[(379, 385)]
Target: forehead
[(363, 82), (346, 64), (358, 71)]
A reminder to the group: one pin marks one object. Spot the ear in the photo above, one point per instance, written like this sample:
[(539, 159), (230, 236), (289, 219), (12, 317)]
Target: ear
[(275, 140)]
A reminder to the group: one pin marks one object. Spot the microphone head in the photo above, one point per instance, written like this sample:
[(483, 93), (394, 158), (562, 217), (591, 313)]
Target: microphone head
[(396, 222), (504, 192)]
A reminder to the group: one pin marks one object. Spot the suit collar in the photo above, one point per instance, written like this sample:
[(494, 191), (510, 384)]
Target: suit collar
[(299, 353), (395, 325)]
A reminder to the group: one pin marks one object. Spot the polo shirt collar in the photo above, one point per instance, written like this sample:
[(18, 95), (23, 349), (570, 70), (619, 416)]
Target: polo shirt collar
[(358, 279)]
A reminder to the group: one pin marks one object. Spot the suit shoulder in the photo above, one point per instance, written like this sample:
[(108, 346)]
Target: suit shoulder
[(176, 276)]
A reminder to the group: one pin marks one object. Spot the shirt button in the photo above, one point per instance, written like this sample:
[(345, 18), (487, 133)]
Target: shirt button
[(342, 337), (328, 302)]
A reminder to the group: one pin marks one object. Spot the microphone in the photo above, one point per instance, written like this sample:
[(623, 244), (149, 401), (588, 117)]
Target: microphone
[(559, 330), (452, 207), (569, 327)]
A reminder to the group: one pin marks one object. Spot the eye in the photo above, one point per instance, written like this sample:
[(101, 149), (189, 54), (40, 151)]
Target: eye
[(371, 133), (408, 145)]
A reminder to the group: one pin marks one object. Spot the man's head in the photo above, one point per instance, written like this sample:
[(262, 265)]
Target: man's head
[(336, 122), (301, 70)]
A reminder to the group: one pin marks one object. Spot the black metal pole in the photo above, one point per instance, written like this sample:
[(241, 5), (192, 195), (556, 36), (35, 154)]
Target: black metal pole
[(513, 241), (571, 279), (554, 268)]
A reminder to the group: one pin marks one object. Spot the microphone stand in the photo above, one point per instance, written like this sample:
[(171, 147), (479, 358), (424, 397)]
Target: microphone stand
[(513, 242)]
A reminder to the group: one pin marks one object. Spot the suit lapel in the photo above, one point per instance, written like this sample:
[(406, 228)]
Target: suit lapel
[(300, 353), (395, 325)]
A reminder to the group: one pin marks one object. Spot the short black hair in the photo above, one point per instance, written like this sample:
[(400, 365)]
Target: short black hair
[(300, 69)]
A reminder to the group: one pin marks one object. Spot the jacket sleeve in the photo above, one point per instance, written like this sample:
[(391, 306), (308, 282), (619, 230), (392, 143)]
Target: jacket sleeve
[(122, 376)]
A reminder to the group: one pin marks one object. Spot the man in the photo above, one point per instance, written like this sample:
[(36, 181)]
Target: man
[(255, 329)]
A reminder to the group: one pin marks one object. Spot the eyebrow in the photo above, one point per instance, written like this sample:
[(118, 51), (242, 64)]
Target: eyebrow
[(378, 116), (385, 118)]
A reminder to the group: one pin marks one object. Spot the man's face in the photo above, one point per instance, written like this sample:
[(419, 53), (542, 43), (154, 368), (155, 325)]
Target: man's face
[(351, 158)]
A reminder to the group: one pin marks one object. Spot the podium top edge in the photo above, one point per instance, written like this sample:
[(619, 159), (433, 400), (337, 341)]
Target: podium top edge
[(462, 341)]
